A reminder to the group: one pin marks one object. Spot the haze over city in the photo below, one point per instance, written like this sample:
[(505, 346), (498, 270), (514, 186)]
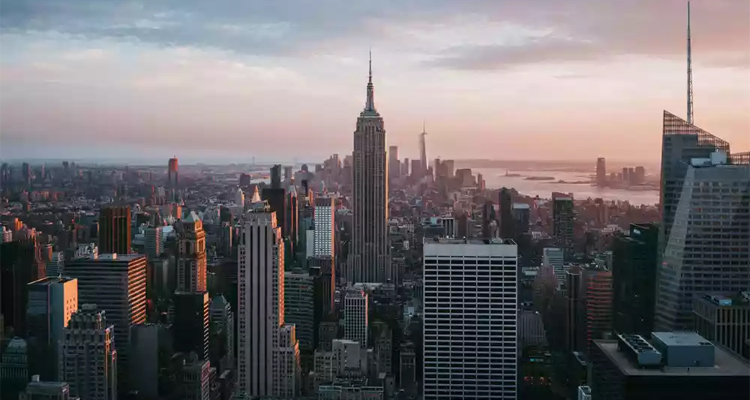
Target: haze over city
[(492, 79)]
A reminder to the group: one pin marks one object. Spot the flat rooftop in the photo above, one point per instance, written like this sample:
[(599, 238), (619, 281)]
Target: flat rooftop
[(51, 280), (725, 364), (114, 257), (475, 241), (676, 339)]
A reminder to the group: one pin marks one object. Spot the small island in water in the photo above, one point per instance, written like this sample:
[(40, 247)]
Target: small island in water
[(540, 178)]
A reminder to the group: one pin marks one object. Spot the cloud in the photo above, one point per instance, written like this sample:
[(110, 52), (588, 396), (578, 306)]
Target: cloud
[(467, 34)]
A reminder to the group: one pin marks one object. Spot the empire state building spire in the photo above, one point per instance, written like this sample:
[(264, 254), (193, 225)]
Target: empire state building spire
[(370, 105)]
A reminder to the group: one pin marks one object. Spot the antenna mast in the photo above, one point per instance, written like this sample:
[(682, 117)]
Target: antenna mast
[(690, 74)]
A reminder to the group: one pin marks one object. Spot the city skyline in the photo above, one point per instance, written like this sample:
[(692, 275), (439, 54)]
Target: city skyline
[(143, 79)]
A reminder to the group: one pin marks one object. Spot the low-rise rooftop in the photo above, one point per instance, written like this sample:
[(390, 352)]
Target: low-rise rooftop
[(725, 364)]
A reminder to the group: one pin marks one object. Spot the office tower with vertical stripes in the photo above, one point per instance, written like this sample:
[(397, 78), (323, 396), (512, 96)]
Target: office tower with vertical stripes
[(114, 229), (266, 347), (369, 257)]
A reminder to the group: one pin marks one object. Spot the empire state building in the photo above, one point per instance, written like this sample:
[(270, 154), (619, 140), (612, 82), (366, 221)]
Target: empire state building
[(369, 259)]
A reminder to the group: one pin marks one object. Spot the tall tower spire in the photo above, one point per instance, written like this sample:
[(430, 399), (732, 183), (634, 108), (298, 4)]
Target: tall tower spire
[(690, 72), (370, 105)]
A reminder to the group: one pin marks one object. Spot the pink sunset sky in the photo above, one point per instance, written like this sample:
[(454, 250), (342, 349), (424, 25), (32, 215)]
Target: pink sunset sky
[(501, 79)]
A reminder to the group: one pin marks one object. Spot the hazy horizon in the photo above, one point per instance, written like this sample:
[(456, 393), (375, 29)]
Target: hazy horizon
[(494, 79)]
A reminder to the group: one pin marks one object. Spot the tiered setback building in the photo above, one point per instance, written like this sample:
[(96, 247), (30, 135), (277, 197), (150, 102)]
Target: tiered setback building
[(470, 312), (89, 359), (116, 283), (268, 349), (370, 251)]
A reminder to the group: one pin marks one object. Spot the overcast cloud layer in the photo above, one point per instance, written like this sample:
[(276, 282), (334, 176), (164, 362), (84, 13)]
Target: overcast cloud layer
[(493, 78)]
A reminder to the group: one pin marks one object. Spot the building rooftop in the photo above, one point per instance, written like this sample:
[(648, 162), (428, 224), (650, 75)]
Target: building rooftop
[(741, 299), (725, 364), (476, 241), (681, 339), (51, 280), (113, 257)]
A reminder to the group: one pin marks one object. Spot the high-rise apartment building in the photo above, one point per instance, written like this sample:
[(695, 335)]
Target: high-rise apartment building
[(116, 283), (707, 247), (325, 226), (153, 243), (370, 250), (287, 373), (563, 216), (634, 261), (221, 318), (114, 230), (292, 215), (725, 321), (263, 347), (299, 302), (554, 257), (470, 312), (394, 165), (599, 293), (190, 325), (574, 322), (356, 327), (89, 359), (191, 259), (52, 301)]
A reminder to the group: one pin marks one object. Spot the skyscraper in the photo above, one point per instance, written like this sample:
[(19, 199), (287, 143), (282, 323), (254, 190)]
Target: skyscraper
[(89, 359), (172, 173), (116, 283), (260, 300), (394, 165), (634, 273), (598, 287), (356, 316), (114, 229), (563, 215), (707, 248), (423, 148), (299, 302), (276, 198), (264, 350), (507, 229), (325, 226), (573, 316), (51, 303), (190, 326), (153, 241), (601, 172), (369, 257), (470, 312), (681, 142), (221, 318), (191, 260)]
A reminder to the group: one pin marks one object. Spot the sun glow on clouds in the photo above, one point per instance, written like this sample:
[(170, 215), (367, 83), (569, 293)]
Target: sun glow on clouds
[(523, 81)]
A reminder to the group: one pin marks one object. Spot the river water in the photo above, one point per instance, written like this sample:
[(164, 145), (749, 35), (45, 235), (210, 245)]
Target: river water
[(495, 178)]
